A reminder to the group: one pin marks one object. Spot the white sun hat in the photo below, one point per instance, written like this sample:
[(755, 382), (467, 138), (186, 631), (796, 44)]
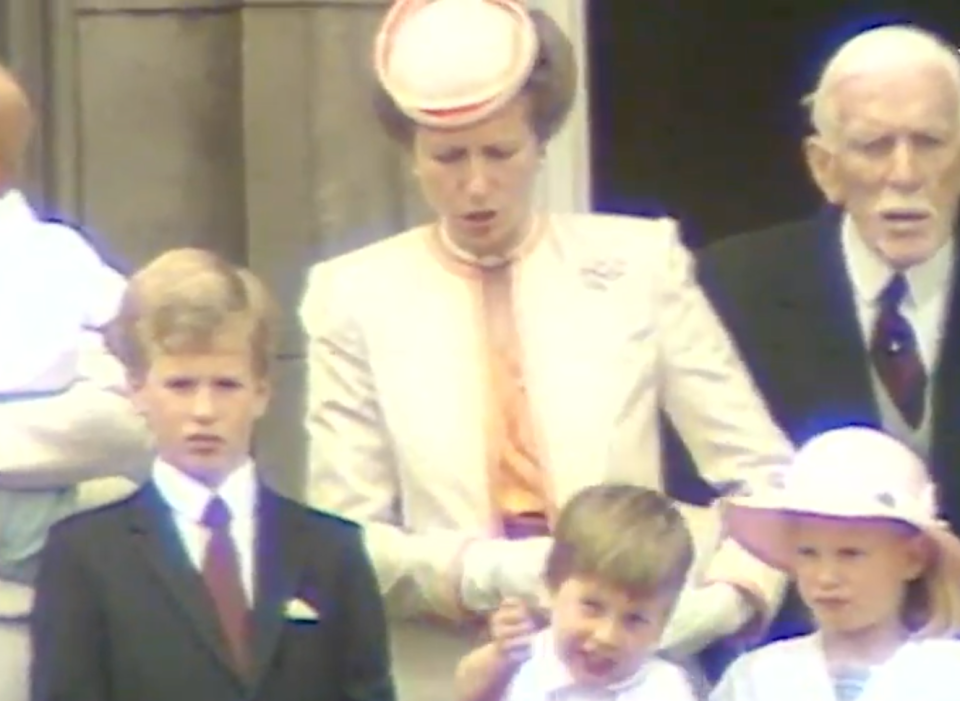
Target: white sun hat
[(451, 63), (848, 473)]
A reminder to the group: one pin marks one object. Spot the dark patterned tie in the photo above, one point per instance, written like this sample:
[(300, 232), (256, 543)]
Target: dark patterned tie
[(221, 573), (893, 349)]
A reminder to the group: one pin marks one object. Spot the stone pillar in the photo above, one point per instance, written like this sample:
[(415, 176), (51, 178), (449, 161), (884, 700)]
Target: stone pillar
[(321, 179), (244, 126), (565, 182), (158, 107)]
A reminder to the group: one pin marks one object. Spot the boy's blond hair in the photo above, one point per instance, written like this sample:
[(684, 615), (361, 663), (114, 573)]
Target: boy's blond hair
[(190, 300), (626, 536)]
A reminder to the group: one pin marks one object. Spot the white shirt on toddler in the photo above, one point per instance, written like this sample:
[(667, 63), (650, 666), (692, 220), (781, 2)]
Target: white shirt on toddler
[(544, 677)]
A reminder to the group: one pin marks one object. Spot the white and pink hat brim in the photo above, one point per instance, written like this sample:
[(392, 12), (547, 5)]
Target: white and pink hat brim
[(849, 473), (453, 63)]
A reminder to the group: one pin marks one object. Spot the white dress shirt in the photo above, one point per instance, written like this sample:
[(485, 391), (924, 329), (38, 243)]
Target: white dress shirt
[(544, 677), (189, 499), (925, 305)]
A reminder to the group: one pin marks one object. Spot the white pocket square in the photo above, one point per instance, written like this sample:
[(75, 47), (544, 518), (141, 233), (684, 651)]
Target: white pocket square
[(300, 610)]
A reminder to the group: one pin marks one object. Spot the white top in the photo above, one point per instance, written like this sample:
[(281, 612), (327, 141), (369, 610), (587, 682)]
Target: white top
[(796, 670), (54, 291), (544, 677), (188, 499)]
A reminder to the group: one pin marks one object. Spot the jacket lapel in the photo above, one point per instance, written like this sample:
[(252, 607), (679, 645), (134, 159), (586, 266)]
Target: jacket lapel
[(153, 526), (823, 302), (280, 558)]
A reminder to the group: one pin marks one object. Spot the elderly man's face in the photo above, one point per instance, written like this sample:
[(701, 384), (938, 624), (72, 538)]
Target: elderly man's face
[(893, 162)]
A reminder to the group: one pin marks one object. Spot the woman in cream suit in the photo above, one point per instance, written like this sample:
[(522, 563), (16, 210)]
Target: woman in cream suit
[(468, 376)]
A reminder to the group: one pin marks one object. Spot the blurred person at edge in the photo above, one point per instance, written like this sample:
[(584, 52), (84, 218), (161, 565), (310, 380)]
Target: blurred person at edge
[(69, 438), (466, 377)]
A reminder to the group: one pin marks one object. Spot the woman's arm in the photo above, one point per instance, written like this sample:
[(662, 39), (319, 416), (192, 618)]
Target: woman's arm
[(352, 472), (720, 415)]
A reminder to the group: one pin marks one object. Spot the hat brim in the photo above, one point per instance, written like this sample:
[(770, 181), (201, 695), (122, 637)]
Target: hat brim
[(464, 110), (763, 530)]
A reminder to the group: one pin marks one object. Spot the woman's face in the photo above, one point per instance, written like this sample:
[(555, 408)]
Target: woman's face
[(480, 179)]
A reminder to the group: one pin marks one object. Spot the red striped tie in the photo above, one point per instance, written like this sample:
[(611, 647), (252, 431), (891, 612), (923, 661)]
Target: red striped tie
[(221, 573), (893, 349)]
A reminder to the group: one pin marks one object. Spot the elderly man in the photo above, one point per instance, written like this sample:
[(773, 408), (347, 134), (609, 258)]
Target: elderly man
[(851, 317), (62, 420)]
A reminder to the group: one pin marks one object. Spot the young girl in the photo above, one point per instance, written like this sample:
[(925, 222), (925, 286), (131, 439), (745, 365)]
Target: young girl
[(853, 521)]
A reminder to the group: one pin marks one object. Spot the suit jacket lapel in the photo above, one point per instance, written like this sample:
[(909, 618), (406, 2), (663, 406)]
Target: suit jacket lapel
[(152, 525), (825, 300), (279, 561)]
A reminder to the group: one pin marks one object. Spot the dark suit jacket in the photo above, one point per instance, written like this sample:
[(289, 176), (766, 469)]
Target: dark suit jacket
[(122, 615), (785, 296)]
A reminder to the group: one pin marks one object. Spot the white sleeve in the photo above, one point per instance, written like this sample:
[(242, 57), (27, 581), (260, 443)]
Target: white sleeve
[(92, 430), (719, 413), (99, 285)]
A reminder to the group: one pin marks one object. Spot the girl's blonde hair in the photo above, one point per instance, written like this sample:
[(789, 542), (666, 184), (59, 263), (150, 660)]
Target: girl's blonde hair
[(931, 608)]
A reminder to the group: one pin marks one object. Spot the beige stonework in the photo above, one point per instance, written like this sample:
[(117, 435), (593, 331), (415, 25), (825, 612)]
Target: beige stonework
[(240, 125)]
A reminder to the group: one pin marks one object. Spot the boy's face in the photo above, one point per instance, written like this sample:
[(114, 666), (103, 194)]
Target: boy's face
[(603, 634), (202, 409)]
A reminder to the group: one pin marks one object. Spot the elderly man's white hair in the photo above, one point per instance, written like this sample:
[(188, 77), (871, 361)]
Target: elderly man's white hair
[(875, 51)]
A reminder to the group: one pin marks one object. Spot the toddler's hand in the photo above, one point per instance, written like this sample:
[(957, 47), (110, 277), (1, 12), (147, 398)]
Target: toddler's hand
[(512, 627)]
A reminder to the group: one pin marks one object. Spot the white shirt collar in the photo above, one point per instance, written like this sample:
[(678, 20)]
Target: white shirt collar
[(534, 232), (554, 678), (869, 273), (189, 498)]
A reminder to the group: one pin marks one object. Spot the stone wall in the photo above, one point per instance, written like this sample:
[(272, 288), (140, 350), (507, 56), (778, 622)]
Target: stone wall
[(239, 125)]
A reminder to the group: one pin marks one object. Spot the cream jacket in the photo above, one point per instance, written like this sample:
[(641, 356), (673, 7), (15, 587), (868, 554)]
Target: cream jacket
[(614, 329)]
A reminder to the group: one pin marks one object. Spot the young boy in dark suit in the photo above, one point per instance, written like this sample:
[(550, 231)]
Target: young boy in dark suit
[(205, 585)]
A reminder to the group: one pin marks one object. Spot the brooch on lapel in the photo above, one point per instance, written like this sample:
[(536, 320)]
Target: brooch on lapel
[(599, 274), (300, 610)]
